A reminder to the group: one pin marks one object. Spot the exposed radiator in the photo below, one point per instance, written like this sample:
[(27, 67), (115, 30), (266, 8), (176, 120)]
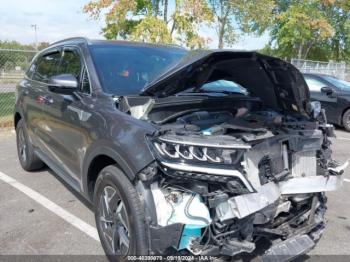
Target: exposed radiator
[(304, 164)]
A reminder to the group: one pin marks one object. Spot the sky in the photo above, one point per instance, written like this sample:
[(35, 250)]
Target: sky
[(61, 19)]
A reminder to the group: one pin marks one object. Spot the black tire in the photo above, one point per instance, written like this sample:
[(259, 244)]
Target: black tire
[(346, 120), (27, 158), (112, 178)]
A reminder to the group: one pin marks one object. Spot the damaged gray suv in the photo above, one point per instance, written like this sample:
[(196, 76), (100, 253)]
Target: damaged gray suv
[(181, 152)]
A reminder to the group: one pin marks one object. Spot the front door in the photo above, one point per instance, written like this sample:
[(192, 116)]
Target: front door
[(63, 116), (34, 93)]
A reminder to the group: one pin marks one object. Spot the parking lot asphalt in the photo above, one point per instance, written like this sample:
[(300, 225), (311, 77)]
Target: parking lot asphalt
[(28, 227)]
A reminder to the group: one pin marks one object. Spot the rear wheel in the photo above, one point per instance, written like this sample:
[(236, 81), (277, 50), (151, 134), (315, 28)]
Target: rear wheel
[(346, 120), (119, 215), (27, 158)]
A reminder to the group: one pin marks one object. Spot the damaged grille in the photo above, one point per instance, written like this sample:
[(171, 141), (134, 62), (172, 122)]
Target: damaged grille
[(233, 184), (271, 169), (265, 170)]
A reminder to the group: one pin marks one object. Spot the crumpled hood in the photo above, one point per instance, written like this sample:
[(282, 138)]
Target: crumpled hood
[(277, 83)]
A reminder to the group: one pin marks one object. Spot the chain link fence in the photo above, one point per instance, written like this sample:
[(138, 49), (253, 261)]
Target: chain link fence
[(338, 69), (13, 64)]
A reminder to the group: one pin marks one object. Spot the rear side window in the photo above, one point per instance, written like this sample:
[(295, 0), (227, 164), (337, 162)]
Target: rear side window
[(70, 64), (45, 67)]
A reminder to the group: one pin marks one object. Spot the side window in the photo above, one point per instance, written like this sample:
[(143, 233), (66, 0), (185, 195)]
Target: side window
[(85, 84), (70, 64), (314, 84), (45, 67)]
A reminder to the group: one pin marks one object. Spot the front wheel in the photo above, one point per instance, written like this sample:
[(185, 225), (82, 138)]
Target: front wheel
[(346, 120), (119, 215)]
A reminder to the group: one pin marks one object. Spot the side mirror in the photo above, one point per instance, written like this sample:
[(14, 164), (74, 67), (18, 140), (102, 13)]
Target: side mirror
[(328, 91), (63, 84)]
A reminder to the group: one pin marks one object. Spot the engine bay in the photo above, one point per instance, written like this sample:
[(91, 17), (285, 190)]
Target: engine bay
[(232, 169), (233, 177)]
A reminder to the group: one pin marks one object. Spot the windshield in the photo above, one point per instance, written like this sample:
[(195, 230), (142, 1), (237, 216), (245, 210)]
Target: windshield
[(125, 70), (224, 86), (338, 82), (219, 86)]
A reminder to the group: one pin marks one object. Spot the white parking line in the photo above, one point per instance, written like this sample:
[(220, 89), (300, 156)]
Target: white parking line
[(59, 211), (343, 138), (346, 180)]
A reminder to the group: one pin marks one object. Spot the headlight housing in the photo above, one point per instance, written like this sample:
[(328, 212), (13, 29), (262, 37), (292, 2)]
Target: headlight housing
[(196, 150), (209, 158)]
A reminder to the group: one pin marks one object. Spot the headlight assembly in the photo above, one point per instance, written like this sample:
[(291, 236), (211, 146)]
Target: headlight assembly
[(203, 158), (200, 152)]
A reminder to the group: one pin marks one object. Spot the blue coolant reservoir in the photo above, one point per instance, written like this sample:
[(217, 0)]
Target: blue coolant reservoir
[(189, 232), (184, 208), (207, 132)]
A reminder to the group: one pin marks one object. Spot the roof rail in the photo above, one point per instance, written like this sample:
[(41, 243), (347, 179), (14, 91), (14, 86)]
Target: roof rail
[(71, 39)]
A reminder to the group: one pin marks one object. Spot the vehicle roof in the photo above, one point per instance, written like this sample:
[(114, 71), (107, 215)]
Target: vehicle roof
[(77, 40)]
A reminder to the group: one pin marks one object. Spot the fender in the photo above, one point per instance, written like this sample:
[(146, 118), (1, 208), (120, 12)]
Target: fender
[(17, 111), (107, 148)]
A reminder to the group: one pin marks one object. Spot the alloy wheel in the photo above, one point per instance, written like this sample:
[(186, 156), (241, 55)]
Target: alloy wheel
[(114, 221)]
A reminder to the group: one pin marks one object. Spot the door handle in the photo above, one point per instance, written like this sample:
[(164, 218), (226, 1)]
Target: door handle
[(48, 99), (44, 99)]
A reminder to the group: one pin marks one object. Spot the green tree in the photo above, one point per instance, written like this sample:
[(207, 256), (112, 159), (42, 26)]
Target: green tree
[(310, 29), (151, 30), (10, 57), (141, 20), (300, 27), (188, 16), (14, 45), (233, 17), (338, 16), (224, 11)]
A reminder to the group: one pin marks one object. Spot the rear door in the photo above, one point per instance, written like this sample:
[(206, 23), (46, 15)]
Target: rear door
[(328, 102), (63, 116)]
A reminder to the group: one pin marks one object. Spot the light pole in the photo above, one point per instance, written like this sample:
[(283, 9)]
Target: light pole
[(36, 36)]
